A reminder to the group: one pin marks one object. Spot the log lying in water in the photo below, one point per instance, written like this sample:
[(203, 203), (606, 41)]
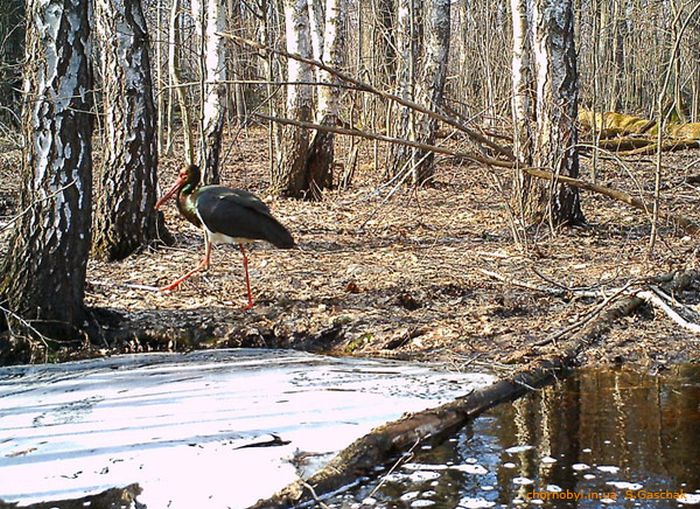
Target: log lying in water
[(385, 442)]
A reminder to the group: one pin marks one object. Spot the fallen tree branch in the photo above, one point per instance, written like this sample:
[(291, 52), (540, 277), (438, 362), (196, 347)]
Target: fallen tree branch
[(666, 146), (391, 439), (651, 296), (680, 221)]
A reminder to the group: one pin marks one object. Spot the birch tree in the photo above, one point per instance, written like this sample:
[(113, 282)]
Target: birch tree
[(126, 219), (522, 101), (556, 110), (544, 32), (406, 37), (289, 175), (214, 104), (430, 87), (320, 161), (317, 27), (44, 274)]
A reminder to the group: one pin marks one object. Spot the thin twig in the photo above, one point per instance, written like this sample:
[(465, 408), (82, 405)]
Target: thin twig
[(595, 312), (407, 455), (372, 136), (44, 339)]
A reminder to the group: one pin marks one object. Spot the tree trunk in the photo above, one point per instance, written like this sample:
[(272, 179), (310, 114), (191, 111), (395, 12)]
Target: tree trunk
[(431, 85), (407, 50), (522, 74), (126, 219), (215, 103), (316, 29), (320, 162), (289, 176), (556, 112), (174, 73), (522, 102), (44, 276)]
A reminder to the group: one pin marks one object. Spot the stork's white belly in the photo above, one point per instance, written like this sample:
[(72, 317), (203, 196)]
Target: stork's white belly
[(220, 238)]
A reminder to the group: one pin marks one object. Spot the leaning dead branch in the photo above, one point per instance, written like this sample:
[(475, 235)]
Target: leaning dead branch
[(385, 442), (369, 88), (681, 221), (654, 297), (380, 137)]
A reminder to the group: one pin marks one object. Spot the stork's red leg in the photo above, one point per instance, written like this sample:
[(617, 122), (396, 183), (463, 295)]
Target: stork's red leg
[(247, 279), (202, 265)]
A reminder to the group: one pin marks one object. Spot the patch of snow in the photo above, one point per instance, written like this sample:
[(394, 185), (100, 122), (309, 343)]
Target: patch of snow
[(423, 502), (516, 449), (410, 495), (689, 499)]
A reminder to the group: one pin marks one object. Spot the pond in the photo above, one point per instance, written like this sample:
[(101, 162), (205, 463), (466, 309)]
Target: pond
[(201, 430), (600, 438)]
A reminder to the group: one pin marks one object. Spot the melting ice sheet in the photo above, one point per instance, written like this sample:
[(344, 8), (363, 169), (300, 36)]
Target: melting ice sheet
[(175, 423)]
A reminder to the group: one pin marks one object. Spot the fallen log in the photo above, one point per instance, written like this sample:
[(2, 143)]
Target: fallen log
[(384, 443), (667, 146)]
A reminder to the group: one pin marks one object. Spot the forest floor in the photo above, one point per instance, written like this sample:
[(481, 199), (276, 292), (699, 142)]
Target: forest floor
[(403, 277)]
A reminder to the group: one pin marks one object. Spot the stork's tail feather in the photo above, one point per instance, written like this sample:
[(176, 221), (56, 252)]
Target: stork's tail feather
[(278, 235)]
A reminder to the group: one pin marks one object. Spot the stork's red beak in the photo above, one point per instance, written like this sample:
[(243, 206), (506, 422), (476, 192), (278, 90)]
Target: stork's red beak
[(181, 180)]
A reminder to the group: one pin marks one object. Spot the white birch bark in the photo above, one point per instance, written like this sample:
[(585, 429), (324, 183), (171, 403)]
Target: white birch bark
[(320, 160), (45, 268), (431, 85), (214, 107), (126, 219), (289, 177), (333, 50), (317, 29), (557, 105)]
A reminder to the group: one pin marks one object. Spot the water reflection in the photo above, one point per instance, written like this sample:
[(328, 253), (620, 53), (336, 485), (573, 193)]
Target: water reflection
[(599, 438)]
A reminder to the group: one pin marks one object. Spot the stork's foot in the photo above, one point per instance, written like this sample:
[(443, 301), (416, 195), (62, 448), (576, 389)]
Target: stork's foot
[(172, 286), (202, 266)]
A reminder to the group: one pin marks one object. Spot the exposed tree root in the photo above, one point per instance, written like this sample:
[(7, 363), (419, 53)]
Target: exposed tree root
[(386, 441)]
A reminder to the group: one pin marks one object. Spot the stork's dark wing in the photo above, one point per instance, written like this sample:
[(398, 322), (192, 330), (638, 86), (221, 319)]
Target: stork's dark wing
[(240, 214)]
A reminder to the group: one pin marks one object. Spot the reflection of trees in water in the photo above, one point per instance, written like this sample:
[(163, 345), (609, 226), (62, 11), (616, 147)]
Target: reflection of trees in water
[(646, 425)]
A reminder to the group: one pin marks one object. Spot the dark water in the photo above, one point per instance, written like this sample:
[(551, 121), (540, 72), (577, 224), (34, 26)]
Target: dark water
[(612, 438)]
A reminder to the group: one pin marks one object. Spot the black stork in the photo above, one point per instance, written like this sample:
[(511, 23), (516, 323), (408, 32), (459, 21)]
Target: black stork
[(225, 215)]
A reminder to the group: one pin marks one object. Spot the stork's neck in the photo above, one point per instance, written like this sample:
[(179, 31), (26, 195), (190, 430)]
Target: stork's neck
[(187, 203)]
